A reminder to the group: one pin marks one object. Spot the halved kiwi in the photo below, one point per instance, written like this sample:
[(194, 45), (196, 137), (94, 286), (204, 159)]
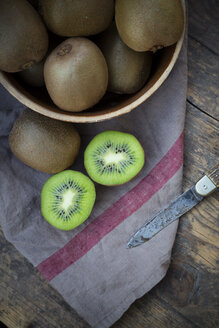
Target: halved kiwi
[(113, 158), (67, 199)]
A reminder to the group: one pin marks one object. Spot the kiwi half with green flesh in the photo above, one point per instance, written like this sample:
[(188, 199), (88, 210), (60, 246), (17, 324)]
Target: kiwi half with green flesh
[(113, 158), (77, 17), (23, 36), (43, 143), (149, 25), (76, 74), (67, 199), (128, 69)]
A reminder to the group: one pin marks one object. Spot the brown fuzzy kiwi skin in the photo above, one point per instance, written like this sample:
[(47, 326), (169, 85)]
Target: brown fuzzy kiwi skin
[(23, 36), (43, 143), (76, 74), (148, 25), (128, 69), (34, 75), (78, 17)]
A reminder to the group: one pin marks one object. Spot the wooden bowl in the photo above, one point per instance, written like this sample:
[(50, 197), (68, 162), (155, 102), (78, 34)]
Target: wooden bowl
[(111, 105)]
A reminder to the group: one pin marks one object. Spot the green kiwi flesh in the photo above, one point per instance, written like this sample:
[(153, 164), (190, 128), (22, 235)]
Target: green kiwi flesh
[(76, 74), (128, 69), (78, 17), (113, 158), (43, 143), (149, 25), (23, 36), (67, 199)]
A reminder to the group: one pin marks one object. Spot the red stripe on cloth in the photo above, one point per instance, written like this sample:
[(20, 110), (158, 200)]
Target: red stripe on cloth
[(115, 214)]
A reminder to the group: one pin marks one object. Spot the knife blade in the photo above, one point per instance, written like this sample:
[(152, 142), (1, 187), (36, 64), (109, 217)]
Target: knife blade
[(182, 204)]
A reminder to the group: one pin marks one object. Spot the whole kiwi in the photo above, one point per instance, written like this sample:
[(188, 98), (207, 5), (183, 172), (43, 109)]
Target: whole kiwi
[(128, 69), (43, 143), (149, 25), (76, 74), (23, 36), (77, 17)]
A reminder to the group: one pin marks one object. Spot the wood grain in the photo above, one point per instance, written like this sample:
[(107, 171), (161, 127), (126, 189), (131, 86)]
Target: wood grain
[(203, 23), (203, 72), (189, 295), (203, 51), (191, 285), (213, 174), (26, 298)]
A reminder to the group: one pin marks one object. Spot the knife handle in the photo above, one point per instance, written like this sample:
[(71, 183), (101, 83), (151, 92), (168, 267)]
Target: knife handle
[(209, 182), (213, 175)]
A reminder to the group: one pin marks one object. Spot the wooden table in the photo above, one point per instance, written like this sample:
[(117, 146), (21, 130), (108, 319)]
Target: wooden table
[(189, 294)]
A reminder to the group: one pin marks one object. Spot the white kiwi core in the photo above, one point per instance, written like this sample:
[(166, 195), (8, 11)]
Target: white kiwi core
[(68, 197), (111, 157)]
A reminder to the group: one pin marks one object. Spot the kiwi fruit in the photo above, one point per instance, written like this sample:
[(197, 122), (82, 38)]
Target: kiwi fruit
[(76, 74), (67, 199), (128, 69), (43, 143), (149, 25), (33, 76), (113, 158), (77, 17), (23, 36)]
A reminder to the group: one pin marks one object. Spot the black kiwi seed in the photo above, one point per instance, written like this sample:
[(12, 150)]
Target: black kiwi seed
[(113, 167), (66, 215)]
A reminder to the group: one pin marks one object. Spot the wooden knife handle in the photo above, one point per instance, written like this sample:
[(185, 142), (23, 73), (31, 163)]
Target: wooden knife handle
[(213, 175)]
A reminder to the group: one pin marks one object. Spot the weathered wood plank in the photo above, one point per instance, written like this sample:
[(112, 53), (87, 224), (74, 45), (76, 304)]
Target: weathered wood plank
[(203, 72), (203, 51), (192, 285), (203, 23), (26, 299), (151, 311), (190, 290), (200, 144)]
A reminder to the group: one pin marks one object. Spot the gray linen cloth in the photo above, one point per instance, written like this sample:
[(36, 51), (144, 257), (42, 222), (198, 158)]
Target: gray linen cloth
[(90, 266)]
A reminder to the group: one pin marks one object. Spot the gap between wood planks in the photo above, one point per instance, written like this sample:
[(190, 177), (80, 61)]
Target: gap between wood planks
[(173, 309), (202, 44), (201, 110)]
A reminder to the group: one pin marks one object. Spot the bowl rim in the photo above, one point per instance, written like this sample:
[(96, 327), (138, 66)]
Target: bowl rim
[(79, 117)]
